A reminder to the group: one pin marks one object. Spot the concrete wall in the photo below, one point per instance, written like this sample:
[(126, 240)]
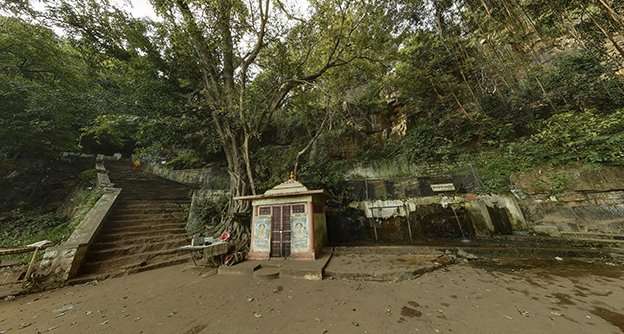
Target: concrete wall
[(511, 206), (400, 168), (320, 231)]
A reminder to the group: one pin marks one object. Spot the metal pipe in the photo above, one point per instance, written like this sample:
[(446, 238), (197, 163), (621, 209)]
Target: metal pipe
[(409, 223), (465, 239)]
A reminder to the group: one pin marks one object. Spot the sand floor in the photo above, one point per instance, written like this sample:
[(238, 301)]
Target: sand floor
[(462, 298)]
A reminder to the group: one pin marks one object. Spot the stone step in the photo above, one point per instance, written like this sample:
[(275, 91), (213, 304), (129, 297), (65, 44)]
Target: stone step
[(159, 196), (146, 219), (129, 261), (145, 228), (537, 252), (604, 243), (149, 187), (123, 176), (129, 177), (130, 269), (143, 216), (160, 264), (86, 278), (147, 222), (109, 237), (127, 190), (115, 252), (147, 204), (559, 242), (150, 184), (143, 222), (591, 235), (138, 241), (142, 179), (151, 210), (138, 228)]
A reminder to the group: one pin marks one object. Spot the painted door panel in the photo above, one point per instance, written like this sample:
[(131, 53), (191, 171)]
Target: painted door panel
[(280, 231)]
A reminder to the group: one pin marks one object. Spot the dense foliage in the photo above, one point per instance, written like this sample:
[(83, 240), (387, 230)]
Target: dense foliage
[(508, 84), (40, 90)]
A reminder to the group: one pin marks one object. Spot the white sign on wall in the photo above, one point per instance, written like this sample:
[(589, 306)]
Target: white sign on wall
[(443, 187)]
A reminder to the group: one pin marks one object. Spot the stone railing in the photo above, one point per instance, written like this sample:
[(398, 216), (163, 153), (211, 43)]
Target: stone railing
[(103, 180), (62, 262)]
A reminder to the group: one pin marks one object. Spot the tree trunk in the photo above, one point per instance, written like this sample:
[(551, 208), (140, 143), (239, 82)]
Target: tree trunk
[(234, 219), (486, 7), (440, 23), (608, 35), (612, 13)]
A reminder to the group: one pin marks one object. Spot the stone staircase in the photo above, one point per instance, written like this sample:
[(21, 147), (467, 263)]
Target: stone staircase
[(143, 230)]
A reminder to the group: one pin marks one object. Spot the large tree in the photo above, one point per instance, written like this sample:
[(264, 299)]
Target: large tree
[(237, 62), (253, 56)]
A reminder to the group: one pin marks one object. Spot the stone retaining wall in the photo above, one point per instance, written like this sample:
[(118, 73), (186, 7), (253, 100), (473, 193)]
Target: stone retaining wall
[(212, 177), (597, 212), (592, 200)]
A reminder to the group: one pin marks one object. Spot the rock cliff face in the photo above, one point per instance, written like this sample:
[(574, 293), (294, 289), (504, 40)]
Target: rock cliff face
[(574, 200)]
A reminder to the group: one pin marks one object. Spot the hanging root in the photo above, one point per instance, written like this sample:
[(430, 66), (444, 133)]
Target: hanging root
[(234, 222), (239, 234)]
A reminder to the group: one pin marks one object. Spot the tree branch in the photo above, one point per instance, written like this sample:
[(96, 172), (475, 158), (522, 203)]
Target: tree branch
[(311, 142), (253, 54), (201, 47)]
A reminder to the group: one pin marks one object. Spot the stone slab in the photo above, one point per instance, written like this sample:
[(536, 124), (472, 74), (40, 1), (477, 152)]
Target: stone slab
[(289, 268), (309, 270), (549, 230), (11, 290), (267, 273), (245, 268), (383, 266)]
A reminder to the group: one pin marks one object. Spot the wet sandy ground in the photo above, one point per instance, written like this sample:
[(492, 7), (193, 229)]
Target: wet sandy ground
[(521, 297)]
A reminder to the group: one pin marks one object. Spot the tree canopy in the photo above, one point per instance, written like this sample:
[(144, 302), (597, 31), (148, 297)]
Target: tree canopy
[(264, 86)]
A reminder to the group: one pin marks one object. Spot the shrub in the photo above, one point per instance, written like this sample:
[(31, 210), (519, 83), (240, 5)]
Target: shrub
[(587, 137), (185, 159), (88, 177), (24, 227)]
